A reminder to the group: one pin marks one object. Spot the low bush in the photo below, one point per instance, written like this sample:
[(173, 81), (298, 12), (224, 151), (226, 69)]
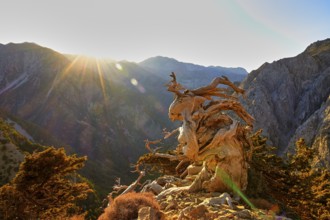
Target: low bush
[(126, 207)]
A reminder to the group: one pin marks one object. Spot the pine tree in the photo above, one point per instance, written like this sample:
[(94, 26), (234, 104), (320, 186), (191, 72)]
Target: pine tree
[(44, 187), (302, 189)]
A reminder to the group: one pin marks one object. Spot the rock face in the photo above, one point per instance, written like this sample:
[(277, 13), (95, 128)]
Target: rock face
[(290, 99)]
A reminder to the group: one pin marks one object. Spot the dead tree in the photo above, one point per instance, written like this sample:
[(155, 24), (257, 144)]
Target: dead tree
[(209, 138)]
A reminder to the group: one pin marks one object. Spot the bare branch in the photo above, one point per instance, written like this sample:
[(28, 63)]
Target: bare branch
[(212, 89), (234, 106), (173, 86), (169, 134), (148, 143), (132, 187)]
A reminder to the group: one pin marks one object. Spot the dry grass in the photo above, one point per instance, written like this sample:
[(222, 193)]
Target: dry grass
[(126, 207)]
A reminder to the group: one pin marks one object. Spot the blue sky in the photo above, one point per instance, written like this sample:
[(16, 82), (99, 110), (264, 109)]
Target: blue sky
[(228, 33)]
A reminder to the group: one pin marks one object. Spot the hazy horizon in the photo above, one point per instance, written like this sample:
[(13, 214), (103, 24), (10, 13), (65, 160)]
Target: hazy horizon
[(224, 33)]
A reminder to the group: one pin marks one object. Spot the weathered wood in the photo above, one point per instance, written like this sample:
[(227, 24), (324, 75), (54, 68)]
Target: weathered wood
[(212, 89), (216, 146), (211, 137)]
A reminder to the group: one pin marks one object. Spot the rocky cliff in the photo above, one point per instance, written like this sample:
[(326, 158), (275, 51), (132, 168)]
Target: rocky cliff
[(290, 99)]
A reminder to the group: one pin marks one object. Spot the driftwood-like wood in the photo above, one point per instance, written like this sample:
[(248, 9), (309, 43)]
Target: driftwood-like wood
[(213, 149), (209, 138)]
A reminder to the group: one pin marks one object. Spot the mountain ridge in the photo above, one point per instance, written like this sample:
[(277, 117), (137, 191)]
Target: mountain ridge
[(164, 58), (106, 109), (189, 74), (101, 109), (285, 94)]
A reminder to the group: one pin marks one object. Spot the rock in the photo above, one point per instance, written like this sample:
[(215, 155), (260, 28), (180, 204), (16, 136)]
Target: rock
[(163, 180), (153, 187), (171, 191), (199, 211), (240, 207), (148, 213), (315, 133), (222, 199), (245, 214), (190, 212), (171, 205), (290, 99), (204, 205), (227, 216), (215, 194)]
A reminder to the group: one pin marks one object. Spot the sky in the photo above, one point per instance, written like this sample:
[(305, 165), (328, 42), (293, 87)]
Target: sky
[(229, 33)]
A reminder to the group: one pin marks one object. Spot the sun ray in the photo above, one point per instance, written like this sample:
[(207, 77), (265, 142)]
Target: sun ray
[(59, 77), (84, 69), (100, 73)]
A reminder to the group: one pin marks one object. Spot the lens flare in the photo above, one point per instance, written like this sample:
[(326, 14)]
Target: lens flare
[(134, 82), (229, 183), (61, 76), (119, 67)]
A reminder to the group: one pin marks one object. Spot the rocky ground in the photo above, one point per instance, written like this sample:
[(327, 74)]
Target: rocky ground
[(184, 205), (203, 206)]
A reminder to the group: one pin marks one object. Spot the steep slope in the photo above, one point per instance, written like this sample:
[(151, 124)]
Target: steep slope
[(13, 145), (290, 99), (21, 62), (191, 75), (102, 109)]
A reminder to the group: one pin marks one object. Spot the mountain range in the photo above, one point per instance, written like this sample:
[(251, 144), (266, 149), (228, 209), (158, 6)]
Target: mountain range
[(106, 109), (100, 108)]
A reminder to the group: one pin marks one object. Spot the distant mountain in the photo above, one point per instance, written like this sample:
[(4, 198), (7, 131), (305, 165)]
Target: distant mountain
[(290, 99), (105, 109), (191, 75), (87, 104), (101, 108)]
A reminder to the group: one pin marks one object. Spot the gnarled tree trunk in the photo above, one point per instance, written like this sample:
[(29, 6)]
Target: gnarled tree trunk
[(210, 139)]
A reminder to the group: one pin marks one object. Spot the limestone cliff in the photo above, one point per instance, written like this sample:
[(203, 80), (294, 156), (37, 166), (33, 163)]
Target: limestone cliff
[(290, 98)]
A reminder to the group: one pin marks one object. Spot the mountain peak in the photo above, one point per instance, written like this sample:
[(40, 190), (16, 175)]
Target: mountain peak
[(159, 58), (318, 47), (23, 45), (11, 47), (191, 75)]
